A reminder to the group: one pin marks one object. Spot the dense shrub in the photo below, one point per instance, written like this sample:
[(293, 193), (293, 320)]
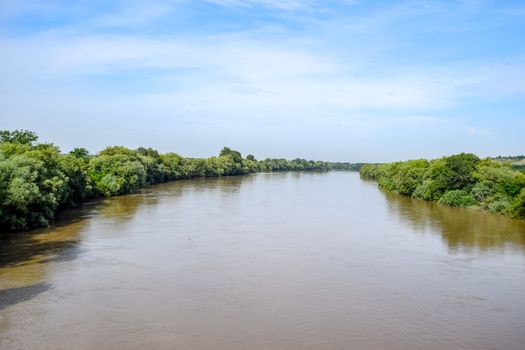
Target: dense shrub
[(517, 208), (461, 180), (457, 198), (32, 184), (498, 203), (36, 179)]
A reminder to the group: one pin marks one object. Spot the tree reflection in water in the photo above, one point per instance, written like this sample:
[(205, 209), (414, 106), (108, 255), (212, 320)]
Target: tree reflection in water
[(461, 229)]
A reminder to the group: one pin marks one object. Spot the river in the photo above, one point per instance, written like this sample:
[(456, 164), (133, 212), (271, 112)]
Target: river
[(275, 261)]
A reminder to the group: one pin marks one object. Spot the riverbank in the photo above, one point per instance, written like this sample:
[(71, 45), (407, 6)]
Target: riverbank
[(37, 180), (461, 180)]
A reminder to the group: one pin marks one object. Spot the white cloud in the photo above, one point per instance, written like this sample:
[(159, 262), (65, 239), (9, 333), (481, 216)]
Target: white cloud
[(341, 76), (226, 71), (254, 74)]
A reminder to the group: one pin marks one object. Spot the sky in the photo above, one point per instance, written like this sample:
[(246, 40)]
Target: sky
[(336, 80)]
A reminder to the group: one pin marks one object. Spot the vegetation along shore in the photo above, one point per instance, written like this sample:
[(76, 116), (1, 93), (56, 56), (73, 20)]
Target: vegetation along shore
[(461, 180), (37, 180)]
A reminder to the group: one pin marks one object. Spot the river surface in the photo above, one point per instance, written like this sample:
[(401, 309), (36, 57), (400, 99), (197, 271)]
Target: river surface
[(269, 261)]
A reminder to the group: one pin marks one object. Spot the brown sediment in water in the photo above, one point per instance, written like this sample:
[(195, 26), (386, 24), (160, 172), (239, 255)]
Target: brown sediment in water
[(269, 261)]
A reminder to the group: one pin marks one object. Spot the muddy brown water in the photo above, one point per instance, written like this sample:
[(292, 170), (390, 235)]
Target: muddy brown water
[(268, 261)]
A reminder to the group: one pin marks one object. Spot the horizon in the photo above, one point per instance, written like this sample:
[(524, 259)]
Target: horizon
[(341, 80), (245, 154)]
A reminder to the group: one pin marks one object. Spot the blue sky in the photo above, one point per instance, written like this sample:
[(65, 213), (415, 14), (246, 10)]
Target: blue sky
[(334, 80)]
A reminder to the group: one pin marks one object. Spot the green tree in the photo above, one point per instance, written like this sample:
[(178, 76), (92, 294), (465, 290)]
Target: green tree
[(32, 185), (227, 152), (18, 136), (80, 153), (457, 198), (458, 180)]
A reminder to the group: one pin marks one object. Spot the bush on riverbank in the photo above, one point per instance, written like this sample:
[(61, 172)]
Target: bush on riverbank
[(36, 180), (461, 180)]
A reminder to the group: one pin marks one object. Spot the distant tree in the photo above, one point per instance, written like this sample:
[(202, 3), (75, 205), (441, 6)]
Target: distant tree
[(113, 150), (18, 136), (228, 152), (75, 166), (79, 153), (460, 169), (149, 152)]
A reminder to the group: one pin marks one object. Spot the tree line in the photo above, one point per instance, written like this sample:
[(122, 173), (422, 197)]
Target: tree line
[(460, 180), (37, 180)]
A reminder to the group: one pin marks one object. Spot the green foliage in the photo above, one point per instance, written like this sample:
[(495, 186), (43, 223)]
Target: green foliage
[(459, 180), (36, 180), (500, 177), (371, 171), (459, 171), (173, 166), (498, 203), (403, 177), (117, 171), (298, 164), (517, 208), (452, 173), (457, 198), (32, 185), (427, 190), (482, 191), (23, 137), (234, 155), (75, 166), (80, 153)]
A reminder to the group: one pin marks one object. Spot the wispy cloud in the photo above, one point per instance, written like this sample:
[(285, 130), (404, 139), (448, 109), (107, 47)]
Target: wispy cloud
[(274, 4), (286, 5), (313, 65), (258, 73), (135, 14)]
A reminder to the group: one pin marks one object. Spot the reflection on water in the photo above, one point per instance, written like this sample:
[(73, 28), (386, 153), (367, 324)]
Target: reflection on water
[(279, 261), (24, 256), (461, 229), (13, 296)]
